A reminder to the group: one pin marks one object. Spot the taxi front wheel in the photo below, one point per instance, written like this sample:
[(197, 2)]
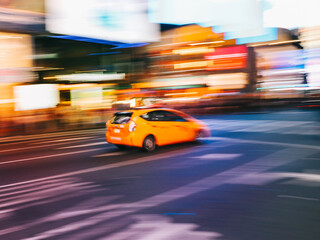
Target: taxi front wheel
[(149, 144), (199, 134)]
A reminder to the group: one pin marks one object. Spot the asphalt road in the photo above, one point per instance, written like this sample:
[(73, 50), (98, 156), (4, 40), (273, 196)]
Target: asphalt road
[(256, 178)]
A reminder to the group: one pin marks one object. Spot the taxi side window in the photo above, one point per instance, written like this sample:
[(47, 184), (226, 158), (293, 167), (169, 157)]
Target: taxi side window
[(172, 117), (163, 116), (155, 116)]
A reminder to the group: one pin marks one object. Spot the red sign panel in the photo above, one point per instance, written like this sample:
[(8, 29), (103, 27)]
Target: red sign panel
[(228, 58)]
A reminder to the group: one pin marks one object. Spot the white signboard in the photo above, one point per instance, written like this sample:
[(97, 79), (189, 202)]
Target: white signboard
[(36, 96), (122, 20)]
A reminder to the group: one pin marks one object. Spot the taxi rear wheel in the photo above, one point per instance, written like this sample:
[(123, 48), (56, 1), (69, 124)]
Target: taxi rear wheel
[(149, 144)]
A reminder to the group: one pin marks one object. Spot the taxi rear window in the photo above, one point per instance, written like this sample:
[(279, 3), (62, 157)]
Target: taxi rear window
[(121, 118)]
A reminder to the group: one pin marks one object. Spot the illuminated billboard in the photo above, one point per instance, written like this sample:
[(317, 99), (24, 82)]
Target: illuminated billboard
[(15, 58), (228, 58), (86, 98), (15, 50), (237, 18), (37, 96), (120, 21), (292, 13)]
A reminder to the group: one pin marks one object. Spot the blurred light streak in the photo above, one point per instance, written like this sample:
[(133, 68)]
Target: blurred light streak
[(130, 45), (281, 72), (89, 71), (91, 77), (190, 51), (226, 81), (85, 39), (105, 53), (193, 64), (39, 69), (182, 99), (45, 56), (234, 55), (4, 101), (83, 85), (298, 197), (185, 93), (284, 42), (10, 37), (275, 43), (179, 214), (206, 43), (291, 87)]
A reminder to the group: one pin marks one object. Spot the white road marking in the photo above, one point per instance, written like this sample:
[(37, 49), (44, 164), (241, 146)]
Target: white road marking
[(49, 156), (33, 147), (25, 148), (35, 184), (289, 112), (106, 167), (54, 191), (55, 134), (28, 190), (65, 189), (265, 178), (305, 130), (219, 156), (85, 145), (62, 140), (78, 208), (111, 154), (232, 175), (265, 126), (227, 125), (312, 158), (56, 198), (237, 140), (297, 197), (58, 216), (144, 159), (270, 126), (155, 227)]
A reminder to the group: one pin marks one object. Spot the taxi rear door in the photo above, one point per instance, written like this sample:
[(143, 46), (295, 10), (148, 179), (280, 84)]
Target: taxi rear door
[(160, 127)]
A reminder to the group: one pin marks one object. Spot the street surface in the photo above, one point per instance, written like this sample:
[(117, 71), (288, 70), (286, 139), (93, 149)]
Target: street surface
[(256, 178)]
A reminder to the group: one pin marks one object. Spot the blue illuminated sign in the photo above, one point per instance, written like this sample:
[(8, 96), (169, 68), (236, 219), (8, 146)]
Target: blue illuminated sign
[(270, 35)]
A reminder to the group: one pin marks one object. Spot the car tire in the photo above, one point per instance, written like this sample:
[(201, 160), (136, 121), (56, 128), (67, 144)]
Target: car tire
[(149, 144), (199, 134)]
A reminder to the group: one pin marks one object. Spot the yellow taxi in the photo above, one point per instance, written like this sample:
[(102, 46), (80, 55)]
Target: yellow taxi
[(148, 128)]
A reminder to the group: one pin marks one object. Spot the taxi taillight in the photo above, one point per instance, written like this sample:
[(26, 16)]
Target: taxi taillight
[(132, 126)]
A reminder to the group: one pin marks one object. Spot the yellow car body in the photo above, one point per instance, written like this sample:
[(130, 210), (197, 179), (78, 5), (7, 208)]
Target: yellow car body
[(162, 126)]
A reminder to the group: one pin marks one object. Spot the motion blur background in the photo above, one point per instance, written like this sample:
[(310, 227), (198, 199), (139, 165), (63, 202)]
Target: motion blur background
[(68, 64)]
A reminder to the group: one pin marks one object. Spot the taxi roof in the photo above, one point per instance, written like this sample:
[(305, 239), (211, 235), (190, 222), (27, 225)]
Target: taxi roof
[(143, 110)]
